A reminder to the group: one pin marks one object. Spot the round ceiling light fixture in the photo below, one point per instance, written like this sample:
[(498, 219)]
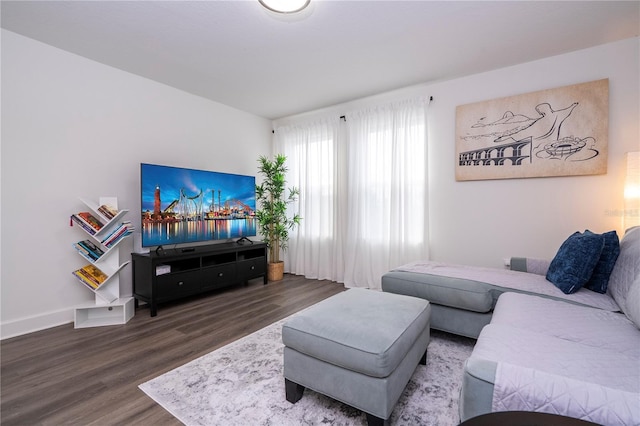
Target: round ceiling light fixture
[(285, 6)]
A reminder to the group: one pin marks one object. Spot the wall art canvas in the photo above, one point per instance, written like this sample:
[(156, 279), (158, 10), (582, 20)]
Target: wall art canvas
[(554, 132)]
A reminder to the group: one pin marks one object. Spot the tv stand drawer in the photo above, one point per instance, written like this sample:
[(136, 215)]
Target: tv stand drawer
[(171, 286), (218, 276), (251, 268)]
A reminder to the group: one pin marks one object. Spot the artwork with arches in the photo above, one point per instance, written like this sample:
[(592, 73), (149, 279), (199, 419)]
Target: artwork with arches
[(554, 132)]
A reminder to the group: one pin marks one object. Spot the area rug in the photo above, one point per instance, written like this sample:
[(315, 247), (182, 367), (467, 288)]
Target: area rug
[(242, 384)]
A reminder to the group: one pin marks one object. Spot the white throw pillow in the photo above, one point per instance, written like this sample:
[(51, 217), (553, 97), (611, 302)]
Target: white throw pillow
[(627, 269)]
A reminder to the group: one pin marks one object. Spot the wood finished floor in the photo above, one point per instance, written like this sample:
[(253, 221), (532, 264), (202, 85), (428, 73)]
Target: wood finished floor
[(64, 376)]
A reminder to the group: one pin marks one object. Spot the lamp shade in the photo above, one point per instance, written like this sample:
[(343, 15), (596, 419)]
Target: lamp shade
[(632, 191), (285, 6)]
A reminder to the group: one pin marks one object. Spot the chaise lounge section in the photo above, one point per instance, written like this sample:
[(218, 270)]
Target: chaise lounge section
[(463, 297)]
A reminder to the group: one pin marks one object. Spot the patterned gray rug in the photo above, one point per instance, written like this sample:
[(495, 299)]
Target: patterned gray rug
[(242, 384)]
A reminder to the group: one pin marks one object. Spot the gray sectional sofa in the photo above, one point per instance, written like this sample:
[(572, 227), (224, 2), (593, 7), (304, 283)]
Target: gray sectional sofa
[(539, 349)]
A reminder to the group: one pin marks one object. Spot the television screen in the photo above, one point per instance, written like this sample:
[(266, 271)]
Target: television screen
[(182, 205)]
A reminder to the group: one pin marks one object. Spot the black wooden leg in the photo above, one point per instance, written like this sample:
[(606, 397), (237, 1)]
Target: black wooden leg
[(423, 360), (293, 391), (376, 421)]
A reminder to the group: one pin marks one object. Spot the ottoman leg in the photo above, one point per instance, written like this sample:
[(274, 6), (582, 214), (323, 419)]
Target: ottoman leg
[(423, 360), (375, 421), (293, 391)]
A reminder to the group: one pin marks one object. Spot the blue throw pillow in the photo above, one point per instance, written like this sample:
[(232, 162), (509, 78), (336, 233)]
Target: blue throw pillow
[(575, 261), (600, 277)]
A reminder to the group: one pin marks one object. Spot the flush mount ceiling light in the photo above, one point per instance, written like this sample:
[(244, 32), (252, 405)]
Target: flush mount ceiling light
[(285, 6)]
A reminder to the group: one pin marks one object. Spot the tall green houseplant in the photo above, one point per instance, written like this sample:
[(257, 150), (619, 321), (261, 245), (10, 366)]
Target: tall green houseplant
[(272, 215)]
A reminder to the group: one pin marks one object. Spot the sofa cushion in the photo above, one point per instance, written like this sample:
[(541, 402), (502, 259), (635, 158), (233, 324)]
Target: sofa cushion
[(457, 292), (625, 274), (575, 261), (550, 374), (600, 277), (581, 324), (417, 279)]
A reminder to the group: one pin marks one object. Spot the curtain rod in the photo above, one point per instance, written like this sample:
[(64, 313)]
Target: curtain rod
[(342, 117)]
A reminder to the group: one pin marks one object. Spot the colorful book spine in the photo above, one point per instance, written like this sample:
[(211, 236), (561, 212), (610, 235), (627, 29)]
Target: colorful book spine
[(108, 211), (120, 232), (88, 277), (94, 273), (92, 248), (89, 250), (85, 253), (75, 219), (90, 220), (117, 237), (85, 280)]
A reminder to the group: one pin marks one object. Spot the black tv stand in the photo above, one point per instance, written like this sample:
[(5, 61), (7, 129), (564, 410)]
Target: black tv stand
[(177, 273), (243, 239)]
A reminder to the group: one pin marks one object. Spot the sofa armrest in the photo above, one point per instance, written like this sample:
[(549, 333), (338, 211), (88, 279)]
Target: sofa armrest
[(530, 264)]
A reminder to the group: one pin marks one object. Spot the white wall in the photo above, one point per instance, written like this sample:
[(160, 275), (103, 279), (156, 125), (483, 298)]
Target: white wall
[(483, 222), (72, 127)]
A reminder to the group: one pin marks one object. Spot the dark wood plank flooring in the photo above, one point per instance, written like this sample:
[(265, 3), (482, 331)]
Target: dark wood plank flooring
[(64, 376)]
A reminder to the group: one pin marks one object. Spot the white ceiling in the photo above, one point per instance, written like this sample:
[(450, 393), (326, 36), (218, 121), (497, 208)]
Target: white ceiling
[(237, 53)]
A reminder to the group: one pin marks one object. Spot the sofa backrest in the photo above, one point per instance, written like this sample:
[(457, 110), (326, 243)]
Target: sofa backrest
[(624, 282)]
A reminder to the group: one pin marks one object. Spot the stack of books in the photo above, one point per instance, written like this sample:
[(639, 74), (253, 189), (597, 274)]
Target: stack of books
[(87, 221), (89, 250), (119, 233), (107, 211), (90, 276)]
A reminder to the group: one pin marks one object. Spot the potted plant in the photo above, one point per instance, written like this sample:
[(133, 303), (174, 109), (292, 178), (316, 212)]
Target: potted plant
[(272, 215)]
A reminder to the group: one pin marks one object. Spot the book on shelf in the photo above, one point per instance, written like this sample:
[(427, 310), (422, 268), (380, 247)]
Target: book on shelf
[(89, 245), (124, 229), (108, 211), (85, 253), (93, 273), (87, 221), (89, 250), (91, 220), (84, 279), (75, 219)]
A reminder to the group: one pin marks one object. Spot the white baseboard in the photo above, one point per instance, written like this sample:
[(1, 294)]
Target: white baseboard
[(35, 323)]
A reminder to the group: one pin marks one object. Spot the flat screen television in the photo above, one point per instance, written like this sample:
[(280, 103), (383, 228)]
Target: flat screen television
[(181, 205)]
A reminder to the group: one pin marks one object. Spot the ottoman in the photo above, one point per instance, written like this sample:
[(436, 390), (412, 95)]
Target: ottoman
[(359, 347)]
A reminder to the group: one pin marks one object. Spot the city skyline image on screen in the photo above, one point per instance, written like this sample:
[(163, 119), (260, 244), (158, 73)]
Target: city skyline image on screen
[(181, 205)]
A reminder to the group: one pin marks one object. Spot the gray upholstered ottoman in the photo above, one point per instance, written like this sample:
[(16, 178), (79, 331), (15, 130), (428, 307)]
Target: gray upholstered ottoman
[(360, 347)]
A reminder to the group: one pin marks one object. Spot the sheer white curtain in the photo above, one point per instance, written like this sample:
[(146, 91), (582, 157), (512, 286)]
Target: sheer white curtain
[(387, 191), (311, 148), (363, 186)]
